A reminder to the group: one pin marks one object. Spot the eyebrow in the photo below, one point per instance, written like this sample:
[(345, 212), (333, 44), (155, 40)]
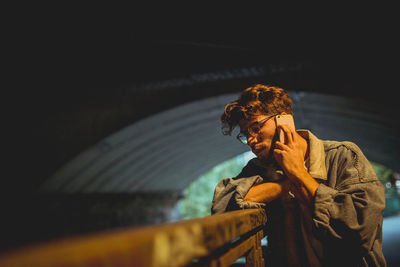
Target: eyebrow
[(248, 125), (257, 121)]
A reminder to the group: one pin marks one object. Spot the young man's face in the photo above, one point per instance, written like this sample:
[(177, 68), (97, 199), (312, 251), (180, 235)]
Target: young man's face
[(261, 142)]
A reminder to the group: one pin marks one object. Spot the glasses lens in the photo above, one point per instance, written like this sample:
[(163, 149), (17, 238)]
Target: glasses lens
[(254, 129), (242, 138)]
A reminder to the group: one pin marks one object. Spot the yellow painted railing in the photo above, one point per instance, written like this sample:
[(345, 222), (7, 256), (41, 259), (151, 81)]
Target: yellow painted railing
[(217, 240)]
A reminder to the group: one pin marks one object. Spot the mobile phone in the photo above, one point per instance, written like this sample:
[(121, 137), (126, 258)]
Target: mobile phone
[(284, 119)]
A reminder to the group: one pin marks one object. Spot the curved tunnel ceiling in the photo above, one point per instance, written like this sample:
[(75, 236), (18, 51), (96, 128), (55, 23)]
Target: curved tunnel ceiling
[(169, 150)]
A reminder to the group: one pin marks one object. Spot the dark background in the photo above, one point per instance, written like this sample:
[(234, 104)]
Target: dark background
[(65, 61), (75, 59)]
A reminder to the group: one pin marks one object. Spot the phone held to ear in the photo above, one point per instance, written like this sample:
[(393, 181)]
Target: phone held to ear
[(281, 120)]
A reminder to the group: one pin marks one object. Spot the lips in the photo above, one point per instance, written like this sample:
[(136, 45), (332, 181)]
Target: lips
[(256, 149)]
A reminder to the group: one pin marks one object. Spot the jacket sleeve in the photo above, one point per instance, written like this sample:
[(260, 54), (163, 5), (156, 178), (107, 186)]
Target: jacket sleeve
[(351, 211), (229, 194)]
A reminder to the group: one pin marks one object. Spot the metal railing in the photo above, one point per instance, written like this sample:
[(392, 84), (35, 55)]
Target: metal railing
[(216, 240)]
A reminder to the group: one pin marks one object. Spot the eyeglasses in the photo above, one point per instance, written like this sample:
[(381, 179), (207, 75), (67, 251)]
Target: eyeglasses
[(254, 128)]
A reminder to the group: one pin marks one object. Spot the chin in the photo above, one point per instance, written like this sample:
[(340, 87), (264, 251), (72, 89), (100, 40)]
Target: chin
[(266, 157), (261, 155)]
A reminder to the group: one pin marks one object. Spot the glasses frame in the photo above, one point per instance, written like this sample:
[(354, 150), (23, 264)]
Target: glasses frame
[(244, 136)]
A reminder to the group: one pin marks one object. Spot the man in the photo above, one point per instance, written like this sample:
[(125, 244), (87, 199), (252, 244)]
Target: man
[(323, 200)]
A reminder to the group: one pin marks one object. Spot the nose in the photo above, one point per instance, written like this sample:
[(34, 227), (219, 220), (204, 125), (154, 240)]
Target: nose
[(251, 140)]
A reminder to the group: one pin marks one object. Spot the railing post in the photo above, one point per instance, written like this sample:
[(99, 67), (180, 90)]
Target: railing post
[(255, 256)]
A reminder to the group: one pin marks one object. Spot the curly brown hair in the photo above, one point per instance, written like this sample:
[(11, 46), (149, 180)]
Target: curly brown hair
[(256, 100)]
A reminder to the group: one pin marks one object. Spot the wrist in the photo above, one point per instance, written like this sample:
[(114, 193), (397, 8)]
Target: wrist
[(303, 178), (299, 176)]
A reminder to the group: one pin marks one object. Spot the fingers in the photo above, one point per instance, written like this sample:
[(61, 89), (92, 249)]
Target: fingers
[(288, 132), (280, 146), (280, 150)]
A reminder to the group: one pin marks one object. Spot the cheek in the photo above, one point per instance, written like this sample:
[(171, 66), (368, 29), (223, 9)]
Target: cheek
[(268, 136)]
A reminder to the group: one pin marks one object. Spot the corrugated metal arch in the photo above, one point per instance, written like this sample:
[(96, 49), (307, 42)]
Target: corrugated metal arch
[(169, 150)]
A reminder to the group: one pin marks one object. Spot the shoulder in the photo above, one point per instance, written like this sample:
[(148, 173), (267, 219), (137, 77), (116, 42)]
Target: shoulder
[(348, 155), (346, 150), (341, 146)]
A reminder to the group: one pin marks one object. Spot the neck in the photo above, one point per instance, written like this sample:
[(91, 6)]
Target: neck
[(304, 147)]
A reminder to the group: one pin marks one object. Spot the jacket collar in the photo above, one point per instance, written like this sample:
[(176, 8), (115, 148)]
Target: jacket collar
[(316, 168), (315, 163)]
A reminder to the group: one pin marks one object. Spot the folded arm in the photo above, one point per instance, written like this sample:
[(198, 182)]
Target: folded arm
[(266, 192)]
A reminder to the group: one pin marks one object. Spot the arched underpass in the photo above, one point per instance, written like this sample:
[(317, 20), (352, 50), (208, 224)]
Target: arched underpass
[(135, 175), (167, 151), (112, 125), (117, 147)]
